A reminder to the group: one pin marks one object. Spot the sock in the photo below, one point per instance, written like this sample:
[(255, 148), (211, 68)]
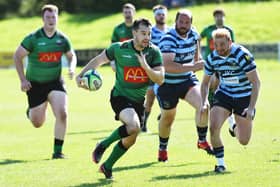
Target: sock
[(146, 116), (231, 121), (116, 154), (57, 145), (163, 143), (219, 154), (202, 132), (117, 134)]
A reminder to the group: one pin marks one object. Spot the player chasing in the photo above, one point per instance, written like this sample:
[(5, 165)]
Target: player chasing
[(42, 82), (137, 62), (181, 58), (237, 92), (219, 17)]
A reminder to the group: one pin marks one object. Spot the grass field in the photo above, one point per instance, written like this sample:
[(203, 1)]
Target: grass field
[(252, 23), (25, 151)]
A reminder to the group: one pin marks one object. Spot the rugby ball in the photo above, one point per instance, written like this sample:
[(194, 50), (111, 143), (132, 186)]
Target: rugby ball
[(92, 80)]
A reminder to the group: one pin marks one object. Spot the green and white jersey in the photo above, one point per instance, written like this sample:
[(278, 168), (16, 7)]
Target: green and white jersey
[(121, 33), (44, 58), (207, 32), (131, 79)]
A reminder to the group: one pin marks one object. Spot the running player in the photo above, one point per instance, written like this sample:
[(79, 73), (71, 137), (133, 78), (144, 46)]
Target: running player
[(42, 82), (237, 92), (137, 62)]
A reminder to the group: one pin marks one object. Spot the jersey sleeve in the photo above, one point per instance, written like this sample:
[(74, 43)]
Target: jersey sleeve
[(208, 68), (204, 32), (27, 43), (68, 45), (232, 35), (110, 51), (114, 37), (157, 58), (167, 44), (247, 61)]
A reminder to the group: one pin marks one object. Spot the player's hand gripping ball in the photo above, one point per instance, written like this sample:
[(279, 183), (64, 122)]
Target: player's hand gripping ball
[(92, 80)]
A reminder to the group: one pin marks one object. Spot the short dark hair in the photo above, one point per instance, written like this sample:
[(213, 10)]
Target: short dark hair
[(141, 21), (129, 5), (219, 11), (49, 7)]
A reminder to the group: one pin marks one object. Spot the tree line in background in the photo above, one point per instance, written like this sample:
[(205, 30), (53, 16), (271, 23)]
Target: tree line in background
[(27, 8)]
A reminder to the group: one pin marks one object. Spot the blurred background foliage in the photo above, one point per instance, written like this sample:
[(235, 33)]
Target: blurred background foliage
[(27, 8)]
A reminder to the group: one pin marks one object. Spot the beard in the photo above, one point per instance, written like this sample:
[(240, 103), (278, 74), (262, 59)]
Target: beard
[(160, 22), (181, 31)]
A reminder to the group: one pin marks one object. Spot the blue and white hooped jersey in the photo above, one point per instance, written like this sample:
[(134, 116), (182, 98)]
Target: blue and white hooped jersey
[(184, 49), (157, 34), (232, 71)]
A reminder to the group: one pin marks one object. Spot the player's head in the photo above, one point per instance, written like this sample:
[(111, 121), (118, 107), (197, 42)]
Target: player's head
[(50, 16), (141, 30), (183, 22), (128, 10), (219, 16), (160, 13), (222, 40)]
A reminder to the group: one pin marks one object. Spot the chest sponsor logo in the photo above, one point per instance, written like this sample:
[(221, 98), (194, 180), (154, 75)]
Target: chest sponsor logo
[(124, 39), (47, 57), (231, 80), (135, 75)]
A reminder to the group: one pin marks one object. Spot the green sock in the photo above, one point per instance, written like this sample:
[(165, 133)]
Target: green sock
[(57, 146), (117, 134), (116, 154)]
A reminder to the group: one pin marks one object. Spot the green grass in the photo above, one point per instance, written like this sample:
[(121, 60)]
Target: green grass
[(252, 23), (25, 151)]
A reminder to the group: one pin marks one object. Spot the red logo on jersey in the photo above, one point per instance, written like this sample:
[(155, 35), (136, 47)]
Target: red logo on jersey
[(211, 44), (124, 39), (49, 57), (135, 75)]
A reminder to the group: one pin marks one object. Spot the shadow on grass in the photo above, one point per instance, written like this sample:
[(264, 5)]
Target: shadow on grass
[(187, 176), (10, 161), (89, 132), (145, 165), (101, 182), (85, 18)]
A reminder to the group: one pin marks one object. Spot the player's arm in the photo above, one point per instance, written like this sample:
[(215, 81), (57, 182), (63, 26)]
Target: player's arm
[(198, 56), (173, 67), (92, 64), (20, 53), (156, 74), (204, 89), (72, 62), (253, 77)]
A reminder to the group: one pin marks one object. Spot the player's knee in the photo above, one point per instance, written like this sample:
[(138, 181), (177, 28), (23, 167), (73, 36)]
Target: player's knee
[(133, 128), (244, 141), (37, 122), (168, 119)]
